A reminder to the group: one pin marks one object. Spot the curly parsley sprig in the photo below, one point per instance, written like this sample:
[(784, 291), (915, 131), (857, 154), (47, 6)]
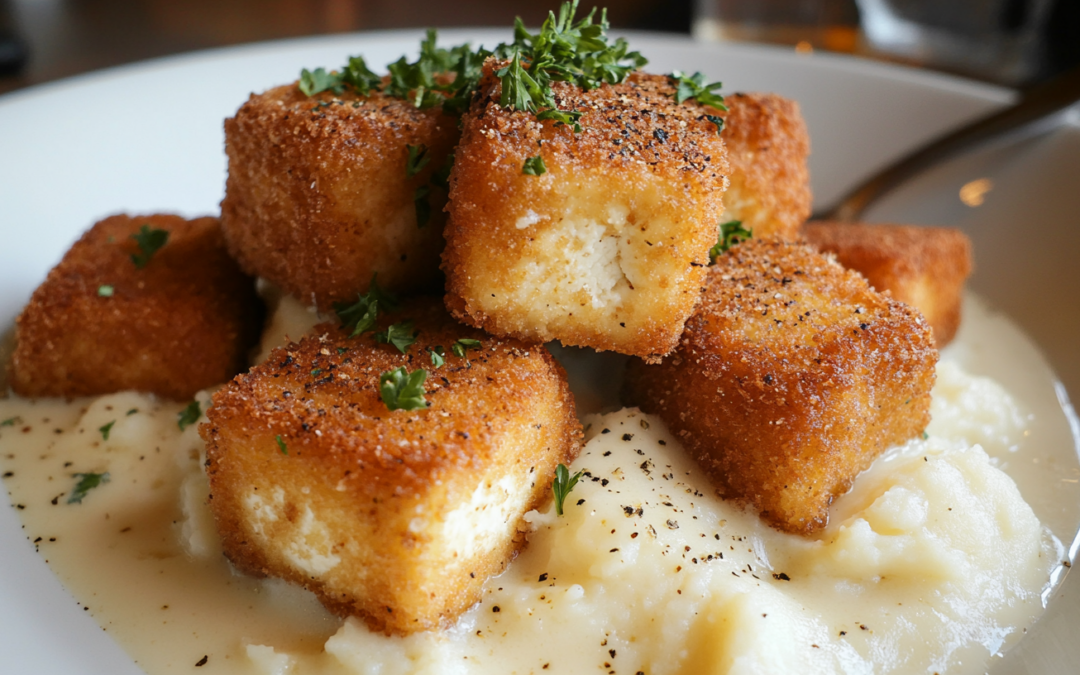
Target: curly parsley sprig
[(731, 233), (361, 316), (402, 390)]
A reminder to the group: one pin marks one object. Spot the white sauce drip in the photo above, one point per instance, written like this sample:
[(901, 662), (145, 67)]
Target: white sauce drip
[(140, 552)]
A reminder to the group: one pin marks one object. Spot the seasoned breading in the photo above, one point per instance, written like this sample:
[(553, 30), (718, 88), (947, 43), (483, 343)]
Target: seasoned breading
[(400, 516), (926, 267), (768, 147), (792, 376), (317, 198), (606, 249), (99, 324)]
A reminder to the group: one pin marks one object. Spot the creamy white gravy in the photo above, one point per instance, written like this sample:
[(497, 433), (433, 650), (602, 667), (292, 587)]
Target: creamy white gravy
[(934, 562)]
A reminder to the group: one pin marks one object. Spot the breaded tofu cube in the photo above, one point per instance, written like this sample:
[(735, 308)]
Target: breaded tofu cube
[(604, 249), (926, 267), (768, 148), (100, 323), (318, 199), (792, 376), (397, 516)]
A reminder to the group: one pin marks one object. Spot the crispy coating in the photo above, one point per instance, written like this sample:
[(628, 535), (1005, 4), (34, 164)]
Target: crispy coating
[(925, 267), (768, 147), (182, 323), (792, 376), (606, 249), (400, 516), (317, 199)]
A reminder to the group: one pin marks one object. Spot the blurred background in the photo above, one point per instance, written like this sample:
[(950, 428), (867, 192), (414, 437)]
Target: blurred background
[(1012, 42)]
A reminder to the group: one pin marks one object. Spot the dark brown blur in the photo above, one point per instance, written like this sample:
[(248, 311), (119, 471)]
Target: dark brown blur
[(66, 37)]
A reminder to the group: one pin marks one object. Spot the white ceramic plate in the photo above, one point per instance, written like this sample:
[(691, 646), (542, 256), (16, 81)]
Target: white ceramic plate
[(148, 138)]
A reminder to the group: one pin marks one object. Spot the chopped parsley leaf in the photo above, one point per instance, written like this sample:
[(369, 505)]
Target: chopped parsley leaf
[(281, 445), (731, 233), (717, 120), (189, 415), (401, 335), (534, 166), (105, 291), (150, 242), (361, 316), (87, 482), (694, 87), (105, 429), (132, 411), (318, 81), (402, 390), (417, 159), (357, 74), (562, 485), (423, 207), (438, 355), (11, 421), (462, 345)]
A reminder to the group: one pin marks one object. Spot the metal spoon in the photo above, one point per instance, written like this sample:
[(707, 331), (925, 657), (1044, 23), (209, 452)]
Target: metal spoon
[(1036, 103)]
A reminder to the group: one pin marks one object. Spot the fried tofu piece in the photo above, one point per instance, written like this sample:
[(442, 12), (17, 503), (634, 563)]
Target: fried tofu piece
[(926, 267), (395, 516), (768, 147), (99, 324), (318, 199), (606, 249), (792, 376)]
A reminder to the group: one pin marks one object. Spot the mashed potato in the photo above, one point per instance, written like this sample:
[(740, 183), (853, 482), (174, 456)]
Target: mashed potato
[(933, 563)]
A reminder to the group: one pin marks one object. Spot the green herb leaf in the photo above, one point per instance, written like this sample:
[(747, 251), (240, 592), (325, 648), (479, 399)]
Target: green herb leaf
[(534, 166), (562, 485), (417, 159), (150, 242), (281, 445), (401, 335), (105, 429), (694, 87), (438, 355), (11, 421), (462, 345), (132, 412), (718, 121), (423, 206), (318, 81), (86, 483), (361, 316), (402, 390), (359, 76), (189, 415), (731, 233), (441, 176), (105, 291)]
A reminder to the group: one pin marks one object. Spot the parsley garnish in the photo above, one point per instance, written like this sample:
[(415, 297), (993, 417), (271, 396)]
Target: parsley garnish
[(281, 445), (534, 166), (438, 355), (463, 344), (87, 482), (563, 51), (693, 86), (189, 415), (562, 485), (441, 176), (402, 390), (11, 421), (105, 291), (357, 74), (718, 121), (150, 242), (731, 233), (318, 81), (105, 429), (132, 411), (423, 206), (401, 335), (360, 316), (417, 159)]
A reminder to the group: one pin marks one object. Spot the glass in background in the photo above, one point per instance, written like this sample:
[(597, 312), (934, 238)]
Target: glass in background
[(832, 25)]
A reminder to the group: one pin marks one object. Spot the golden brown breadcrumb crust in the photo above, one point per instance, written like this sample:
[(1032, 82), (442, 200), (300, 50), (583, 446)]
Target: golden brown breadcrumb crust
[(925, 267), (317, 199), (183, 323), (381, 485), (791, 377), (768, 148), (638, 152)]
